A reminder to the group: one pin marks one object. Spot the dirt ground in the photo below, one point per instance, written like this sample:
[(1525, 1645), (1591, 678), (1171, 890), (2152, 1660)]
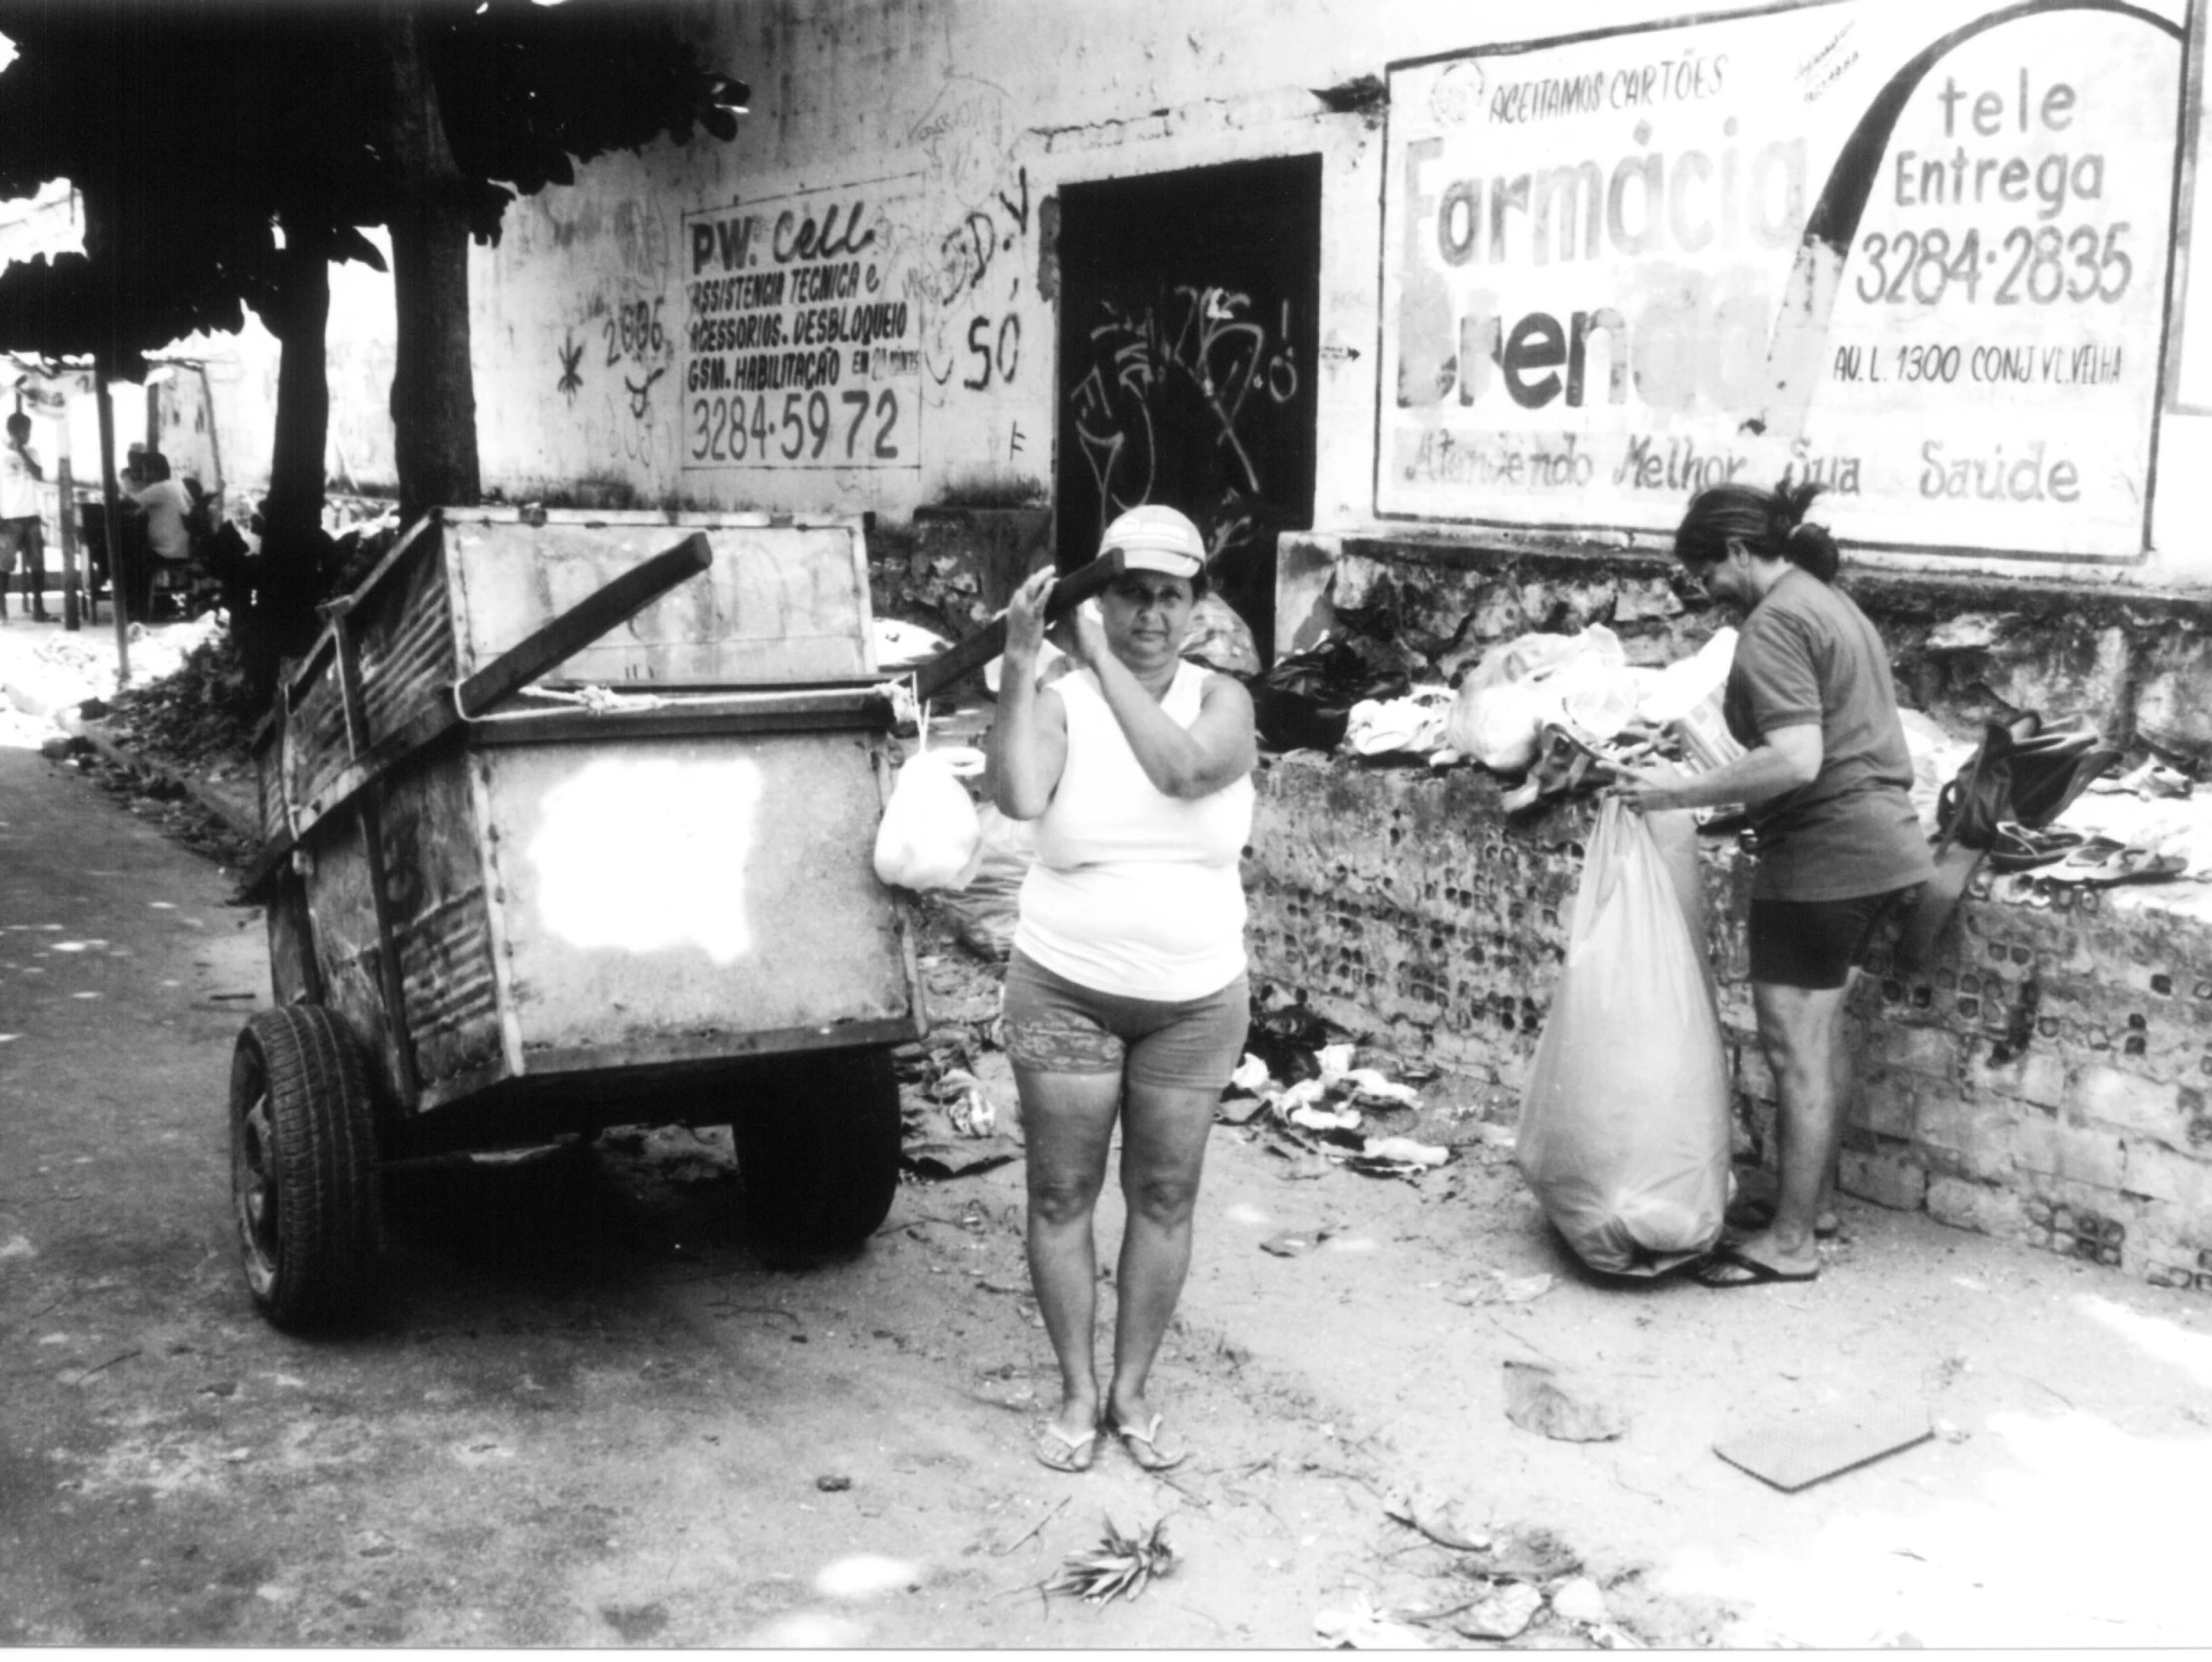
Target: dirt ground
[(586, 1411)]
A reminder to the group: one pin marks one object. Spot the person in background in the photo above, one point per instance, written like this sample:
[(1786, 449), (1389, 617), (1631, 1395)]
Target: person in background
[(21, 530), (1126, 997), (167, 507), (1826, 782)]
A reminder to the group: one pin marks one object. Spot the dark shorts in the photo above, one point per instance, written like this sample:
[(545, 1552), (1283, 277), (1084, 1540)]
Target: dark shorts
[(1052, 1025), (1817, 943)]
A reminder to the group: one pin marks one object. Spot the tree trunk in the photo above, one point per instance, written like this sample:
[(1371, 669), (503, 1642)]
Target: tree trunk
[(301, 323), (287, 581), (434, 391)]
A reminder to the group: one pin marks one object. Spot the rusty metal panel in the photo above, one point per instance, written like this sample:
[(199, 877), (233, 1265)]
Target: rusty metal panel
[(342, 916), (657, 899), (441, 921), (782, 603)]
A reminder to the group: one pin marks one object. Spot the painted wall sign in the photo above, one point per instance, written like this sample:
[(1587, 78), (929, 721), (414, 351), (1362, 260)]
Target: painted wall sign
[(1918, 252), (801, 346)]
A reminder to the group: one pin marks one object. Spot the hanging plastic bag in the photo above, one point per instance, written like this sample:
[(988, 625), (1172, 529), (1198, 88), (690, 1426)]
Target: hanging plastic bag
[(929, 836), (1626, 1145)]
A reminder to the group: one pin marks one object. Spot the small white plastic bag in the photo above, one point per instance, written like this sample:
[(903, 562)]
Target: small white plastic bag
[(929, 837)]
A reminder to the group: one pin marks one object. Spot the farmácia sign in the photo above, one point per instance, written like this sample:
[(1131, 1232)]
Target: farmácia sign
[(1917, 253)]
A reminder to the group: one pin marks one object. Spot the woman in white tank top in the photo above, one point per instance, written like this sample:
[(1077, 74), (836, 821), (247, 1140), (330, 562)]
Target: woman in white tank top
[(1126, 996)]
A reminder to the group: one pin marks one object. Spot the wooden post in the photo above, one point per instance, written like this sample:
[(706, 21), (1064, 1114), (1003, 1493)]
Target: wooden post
[(116, 583), (66, 490)]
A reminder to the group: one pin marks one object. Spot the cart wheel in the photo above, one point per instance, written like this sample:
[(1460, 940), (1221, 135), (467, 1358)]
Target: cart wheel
[(820, 1155), (303, 1164)]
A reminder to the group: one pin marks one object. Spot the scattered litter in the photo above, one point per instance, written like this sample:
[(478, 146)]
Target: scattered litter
[(1505, 1614), (1360, 1627), (1948, 1433), (948, 1160), (866, 1575), (833, 1486), (1397, 1156), (1497, 1288), (1252, 1075), (1558, 1405), (1325, 1119), (1439, 1518), (1807, 1447), (1577, 1600), (1292, 1244), (965, 1105), (1119, 1565)]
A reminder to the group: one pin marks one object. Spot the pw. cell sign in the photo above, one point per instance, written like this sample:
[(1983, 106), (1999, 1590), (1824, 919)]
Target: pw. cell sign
[(1917, 253), (800, 347)]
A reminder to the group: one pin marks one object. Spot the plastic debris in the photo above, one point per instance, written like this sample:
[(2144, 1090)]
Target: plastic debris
[(1505, 1614), (1361, 1627), (1441, 1517), (1578, 1599), (1557, 1405), (1253, 1075)]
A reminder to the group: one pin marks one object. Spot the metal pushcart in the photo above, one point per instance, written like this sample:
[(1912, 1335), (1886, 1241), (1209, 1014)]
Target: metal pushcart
[(569, 823)]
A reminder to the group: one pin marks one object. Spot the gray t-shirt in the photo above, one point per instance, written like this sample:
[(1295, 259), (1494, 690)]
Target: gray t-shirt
[(1807, 654)]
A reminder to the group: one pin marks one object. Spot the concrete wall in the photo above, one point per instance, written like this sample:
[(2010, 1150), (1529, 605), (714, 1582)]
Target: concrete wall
[(945, 127)]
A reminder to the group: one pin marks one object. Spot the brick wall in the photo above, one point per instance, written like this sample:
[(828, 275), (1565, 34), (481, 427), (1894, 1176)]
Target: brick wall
[(2045, 1082)]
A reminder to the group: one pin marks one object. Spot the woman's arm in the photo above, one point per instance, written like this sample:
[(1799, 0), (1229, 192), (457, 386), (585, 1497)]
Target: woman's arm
[(1218, 749), (1782, 760), (1028, 745)]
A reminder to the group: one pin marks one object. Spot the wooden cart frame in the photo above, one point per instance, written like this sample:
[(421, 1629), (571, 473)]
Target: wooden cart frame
[(568, 824)]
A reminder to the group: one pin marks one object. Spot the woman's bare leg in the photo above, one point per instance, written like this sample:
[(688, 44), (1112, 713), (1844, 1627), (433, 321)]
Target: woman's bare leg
[(1802, 1031), (1163, 1139), (1066, 1129)]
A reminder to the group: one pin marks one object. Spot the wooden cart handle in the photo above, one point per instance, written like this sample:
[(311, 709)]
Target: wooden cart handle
[(568, 634), (581, 625), (989, 641)]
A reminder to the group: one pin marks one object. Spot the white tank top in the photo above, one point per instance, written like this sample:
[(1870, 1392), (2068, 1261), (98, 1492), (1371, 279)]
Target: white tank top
[(1135, 892)]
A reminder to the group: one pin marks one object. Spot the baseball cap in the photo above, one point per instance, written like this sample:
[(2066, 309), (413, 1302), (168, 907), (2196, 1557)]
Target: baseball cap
[(1155, 537)]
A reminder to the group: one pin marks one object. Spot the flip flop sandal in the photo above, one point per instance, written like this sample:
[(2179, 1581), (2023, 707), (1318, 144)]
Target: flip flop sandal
[(2015, 848), (2130, 865), (1725, 1269), (1057, 1449), (1151, 1459)]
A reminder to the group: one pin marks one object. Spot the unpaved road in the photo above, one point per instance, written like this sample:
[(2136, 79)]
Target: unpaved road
[(586, 1411)]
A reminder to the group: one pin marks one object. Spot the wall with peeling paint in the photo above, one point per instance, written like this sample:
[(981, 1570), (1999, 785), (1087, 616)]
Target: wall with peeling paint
[(946, 132)]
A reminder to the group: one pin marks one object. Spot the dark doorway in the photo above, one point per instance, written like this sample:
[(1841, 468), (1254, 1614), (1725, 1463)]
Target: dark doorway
[(1187, 333)]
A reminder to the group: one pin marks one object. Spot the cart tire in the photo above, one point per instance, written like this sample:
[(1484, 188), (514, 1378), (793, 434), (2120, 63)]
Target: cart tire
[(820, 1155), (303, 1164)]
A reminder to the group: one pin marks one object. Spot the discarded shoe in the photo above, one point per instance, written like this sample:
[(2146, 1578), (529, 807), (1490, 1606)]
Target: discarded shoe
[(2014, 847), (2152, 779), (1144, 1446), (1726, 1267), (1056, 1449), (2122, 865)]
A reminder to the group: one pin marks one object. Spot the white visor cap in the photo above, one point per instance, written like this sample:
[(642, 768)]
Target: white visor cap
[(1156, 539)]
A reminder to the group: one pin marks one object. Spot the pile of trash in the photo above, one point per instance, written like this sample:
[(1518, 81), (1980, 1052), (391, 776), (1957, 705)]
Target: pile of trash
[(1563, 712), (1327, 1117)]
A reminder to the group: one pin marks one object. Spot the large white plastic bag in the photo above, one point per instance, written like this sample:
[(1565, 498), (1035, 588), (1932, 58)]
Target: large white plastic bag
[(928, 838), (1499, 724), (1624, 1133)]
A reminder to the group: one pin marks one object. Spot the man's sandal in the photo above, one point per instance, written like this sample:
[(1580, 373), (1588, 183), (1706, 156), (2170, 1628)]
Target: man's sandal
[(1144, 1446), (1056, 1449)]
